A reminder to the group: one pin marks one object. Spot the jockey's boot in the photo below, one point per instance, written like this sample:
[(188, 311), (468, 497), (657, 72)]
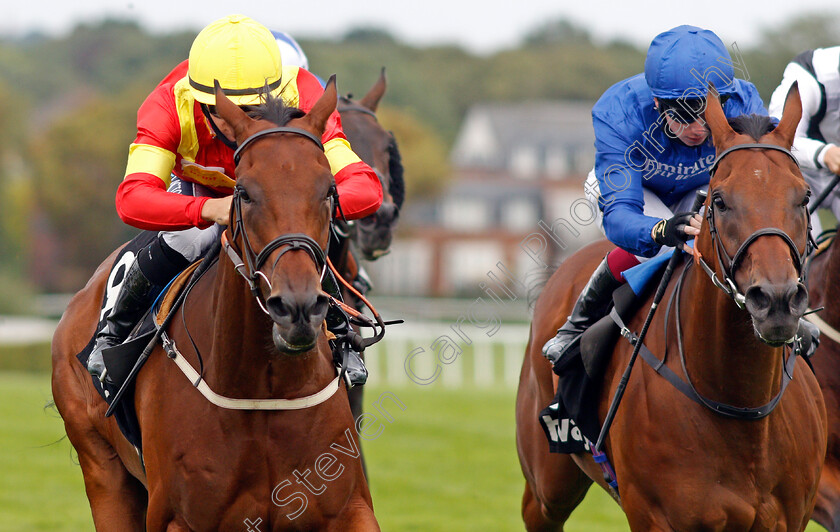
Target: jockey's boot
[(589, 308), (136, 295), (347, 347), (810, 335)]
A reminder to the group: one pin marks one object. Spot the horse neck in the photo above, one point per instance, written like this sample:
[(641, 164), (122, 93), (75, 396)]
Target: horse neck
[(243, 361), (724, 359)]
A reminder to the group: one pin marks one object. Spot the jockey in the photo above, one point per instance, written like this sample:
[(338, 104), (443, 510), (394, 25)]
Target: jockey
[(817, 142), (653, 152), (180, 141)]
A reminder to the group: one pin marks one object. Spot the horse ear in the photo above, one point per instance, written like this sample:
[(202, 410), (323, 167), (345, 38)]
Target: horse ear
[(722, 132), (319, 114), (786, 130), (371, 99), (230, 112)]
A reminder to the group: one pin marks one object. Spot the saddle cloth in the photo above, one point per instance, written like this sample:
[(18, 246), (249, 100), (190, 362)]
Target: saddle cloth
[(121, 359), (570, 422)]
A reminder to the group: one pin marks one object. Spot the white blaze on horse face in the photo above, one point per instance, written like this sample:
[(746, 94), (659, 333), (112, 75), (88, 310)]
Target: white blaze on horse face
[(757, 173)]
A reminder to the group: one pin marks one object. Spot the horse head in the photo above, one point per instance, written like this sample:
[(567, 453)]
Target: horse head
[(377, 147), (281, 211), (757, 221)]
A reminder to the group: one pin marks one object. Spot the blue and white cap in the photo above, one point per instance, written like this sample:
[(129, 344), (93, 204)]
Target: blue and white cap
[(291, 54)]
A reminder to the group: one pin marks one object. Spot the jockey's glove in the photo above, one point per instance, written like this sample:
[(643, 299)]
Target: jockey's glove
[(671, 232)]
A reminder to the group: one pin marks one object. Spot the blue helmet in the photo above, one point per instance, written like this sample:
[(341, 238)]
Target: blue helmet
[(682, 61), (291, 54)]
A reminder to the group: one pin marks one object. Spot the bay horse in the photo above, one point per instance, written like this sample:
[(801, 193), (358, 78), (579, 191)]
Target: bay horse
[(211, 468), (824, 290), (679, 464), (377, 147)]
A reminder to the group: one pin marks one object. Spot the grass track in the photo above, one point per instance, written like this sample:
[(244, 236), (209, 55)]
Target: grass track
[(445, 463)]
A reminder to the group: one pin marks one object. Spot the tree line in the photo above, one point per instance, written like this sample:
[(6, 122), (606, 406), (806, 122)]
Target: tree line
[(68, 106)]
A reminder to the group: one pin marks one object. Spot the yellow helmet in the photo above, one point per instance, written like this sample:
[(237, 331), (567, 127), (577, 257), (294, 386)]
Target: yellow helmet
[(239, 52)]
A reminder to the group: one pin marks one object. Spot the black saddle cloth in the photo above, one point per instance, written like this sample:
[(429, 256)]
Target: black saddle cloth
[(572, 417), (124, 414)]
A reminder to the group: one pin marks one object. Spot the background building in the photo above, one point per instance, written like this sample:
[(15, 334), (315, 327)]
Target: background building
[(514, 206)]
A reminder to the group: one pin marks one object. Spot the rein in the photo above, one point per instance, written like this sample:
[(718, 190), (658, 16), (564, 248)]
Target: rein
[(249, 269), (728, 283), (688, 389), (352, 107)]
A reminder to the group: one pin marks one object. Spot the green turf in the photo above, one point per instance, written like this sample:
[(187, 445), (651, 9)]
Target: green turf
[(41, 487), (445, 463)]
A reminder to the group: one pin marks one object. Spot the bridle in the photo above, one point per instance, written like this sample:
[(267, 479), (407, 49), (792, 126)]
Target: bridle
[(286, 243), (728, 284)]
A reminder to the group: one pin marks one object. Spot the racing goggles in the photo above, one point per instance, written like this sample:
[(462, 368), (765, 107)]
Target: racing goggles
[(686, 110)]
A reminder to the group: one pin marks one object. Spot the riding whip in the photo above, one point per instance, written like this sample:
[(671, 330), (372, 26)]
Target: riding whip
[(824, 194), (699, 199)]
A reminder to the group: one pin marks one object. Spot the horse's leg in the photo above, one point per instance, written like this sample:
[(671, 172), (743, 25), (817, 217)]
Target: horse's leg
[(357, 516), (356, 397), (356, 394), (538, 516), (827, 510), (555, 485), (117, 499)]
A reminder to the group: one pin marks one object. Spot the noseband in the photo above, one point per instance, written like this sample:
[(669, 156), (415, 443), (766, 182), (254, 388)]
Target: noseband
[(286, 243), (728, 283)]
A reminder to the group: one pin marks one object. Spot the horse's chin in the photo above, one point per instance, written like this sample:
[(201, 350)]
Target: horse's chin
[(775, 334), (290, 348)]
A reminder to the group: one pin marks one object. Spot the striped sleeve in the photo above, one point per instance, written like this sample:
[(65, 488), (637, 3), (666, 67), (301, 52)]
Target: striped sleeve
[(359, 189)]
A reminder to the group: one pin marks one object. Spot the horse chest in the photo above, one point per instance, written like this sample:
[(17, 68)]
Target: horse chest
[(713, 473), (286, 472)]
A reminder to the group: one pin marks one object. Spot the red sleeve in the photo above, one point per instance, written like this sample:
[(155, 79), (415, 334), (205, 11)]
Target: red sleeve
[(359, 190), (143, 202)]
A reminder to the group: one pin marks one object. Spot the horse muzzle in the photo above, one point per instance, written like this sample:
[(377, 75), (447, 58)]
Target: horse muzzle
[(776, 309), (297, 320)]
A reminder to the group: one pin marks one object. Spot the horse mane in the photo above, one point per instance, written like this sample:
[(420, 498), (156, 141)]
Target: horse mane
[(753, 125), (395, 168), (273, 109)]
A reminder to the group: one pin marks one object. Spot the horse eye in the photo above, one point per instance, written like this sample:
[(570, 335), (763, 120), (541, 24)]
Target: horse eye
[(719, 203), (243, 195), (807, 199)]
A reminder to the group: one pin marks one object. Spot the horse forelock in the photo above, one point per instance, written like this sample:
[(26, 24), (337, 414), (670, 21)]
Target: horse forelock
[(756, 126), (275, 110)]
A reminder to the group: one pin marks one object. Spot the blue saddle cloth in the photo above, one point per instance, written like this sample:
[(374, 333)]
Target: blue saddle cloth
[(570, 422), (640, 275)]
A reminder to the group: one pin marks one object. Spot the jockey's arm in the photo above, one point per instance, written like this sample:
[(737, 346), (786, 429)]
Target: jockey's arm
[(809, 152), (143, 202), (359, 189), (621, 196)]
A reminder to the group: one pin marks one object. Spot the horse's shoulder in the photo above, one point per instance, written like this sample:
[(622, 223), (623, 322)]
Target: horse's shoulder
[(568, 280), (580, 265)]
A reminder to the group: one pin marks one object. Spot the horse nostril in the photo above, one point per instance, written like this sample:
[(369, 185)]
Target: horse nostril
[(278, 308), (758, 302), (798, 300), (318, 309), (387, 212)]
